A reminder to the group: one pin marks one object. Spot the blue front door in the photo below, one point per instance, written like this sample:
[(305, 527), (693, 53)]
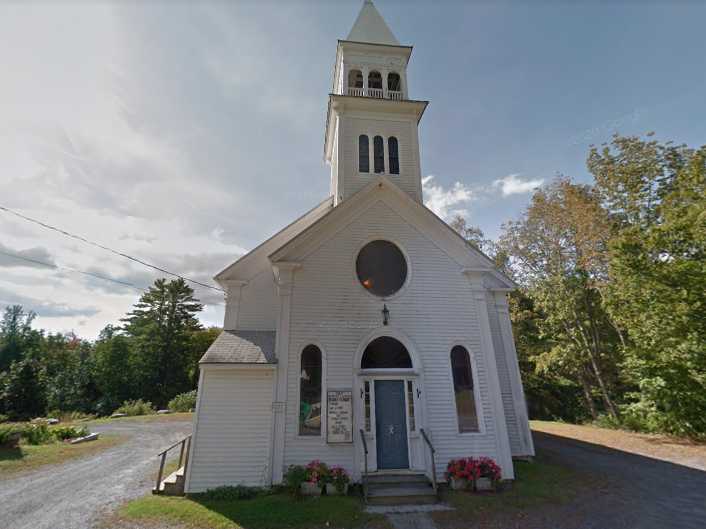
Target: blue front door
[(390, 424)]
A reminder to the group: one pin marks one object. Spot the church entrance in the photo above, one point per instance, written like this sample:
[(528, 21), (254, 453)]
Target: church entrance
[(390, 425), (388, 383)]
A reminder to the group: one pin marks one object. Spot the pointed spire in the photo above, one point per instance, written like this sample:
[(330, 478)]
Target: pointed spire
[(371, 27)]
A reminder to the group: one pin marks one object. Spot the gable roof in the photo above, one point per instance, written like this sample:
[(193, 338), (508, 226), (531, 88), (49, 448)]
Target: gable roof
[(250, 264), (371, 27), (426, 221), (242, 347)]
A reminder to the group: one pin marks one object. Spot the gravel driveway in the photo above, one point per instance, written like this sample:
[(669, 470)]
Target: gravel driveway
[(642, 493), (73, 495)]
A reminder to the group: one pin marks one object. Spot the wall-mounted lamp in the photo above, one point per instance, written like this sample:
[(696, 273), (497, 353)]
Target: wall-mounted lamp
[(385, 314)]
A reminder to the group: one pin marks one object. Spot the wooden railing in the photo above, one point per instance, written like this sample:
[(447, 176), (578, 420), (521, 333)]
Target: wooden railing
[(432, 451), (376, 93), (185, 445), (365, 469)]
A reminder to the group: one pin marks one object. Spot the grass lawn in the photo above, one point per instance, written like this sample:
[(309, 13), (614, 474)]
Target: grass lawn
[(537, 484), (273, 511), (28, 457), (168, 417)]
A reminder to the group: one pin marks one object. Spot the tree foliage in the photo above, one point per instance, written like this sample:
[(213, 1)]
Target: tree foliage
[(154, 356)]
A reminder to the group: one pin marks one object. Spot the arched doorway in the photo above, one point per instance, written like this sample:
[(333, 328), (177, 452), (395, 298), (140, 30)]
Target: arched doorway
[(389, 400)]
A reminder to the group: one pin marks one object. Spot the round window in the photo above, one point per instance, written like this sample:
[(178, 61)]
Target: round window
[(381, 268)]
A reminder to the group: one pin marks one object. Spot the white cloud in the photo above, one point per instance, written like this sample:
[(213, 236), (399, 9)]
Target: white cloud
[(446, 203), (512, 184)]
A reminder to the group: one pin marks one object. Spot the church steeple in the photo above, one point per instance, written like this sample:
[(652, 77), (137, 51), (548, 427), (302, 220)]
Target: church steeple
[(371, 128), (371, 27)]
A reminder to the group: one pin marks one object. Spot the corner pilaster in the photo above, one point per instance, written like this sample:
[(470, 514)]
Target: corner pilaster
[(234, 288), (502, 440), (284, 280), (518, 393)]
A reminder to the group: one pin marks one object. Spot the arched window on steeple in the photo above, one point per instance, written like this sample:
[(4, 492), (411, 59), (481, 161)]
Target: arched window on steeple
[(355, 83), (363, 154), (394, 85), (392, 150), (375, 84), (379, 154)]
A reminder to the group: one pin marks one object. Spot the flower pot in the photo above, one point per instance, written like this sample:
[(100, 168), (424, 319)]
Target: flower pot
[(331, 490), (459, 483), (484, 484), (311, 489)]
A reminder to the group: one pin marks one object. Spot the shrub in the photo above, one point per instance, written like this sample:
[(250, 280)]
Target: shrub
[(295, 476), (225, 493), (136, 407), (37, 434), (340, 478), (62, 433), (4, 418), (7, 433), (183, 402)]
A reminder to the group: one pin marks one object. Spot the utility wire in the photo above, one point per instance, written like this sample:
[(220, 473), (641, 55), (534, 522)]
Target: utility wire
[(69, 269), (106, 248)]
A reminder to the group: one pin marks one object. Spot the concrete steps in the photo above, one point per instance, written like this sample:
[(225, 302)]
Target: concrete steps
[(404, 488), (173, 484)]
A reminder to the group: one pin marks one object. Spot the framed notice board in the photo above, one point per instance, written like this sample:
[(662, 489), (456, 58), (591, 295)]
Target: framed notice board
[(339, 416)]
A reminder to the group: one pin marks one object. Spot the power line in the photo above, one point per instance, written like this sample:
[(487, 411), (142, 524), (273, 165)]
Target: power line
[(69, 269), (106, 248)]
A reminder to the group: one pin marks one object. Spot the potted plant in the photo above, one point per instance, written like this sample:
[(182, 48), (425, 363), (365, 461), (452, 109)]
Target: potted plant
[(294, 478), (461, 472), (489, 474), (317, 474), (338, 481)]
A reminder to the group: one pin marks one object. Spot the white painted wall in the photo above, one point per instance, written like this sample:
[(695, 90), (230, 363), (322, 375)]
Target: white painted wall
[(350, 127), (435, 310), (231, 440)]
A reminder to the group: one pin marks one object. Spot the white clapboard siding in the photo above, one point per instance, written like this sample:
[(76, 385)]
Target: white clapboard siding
[(258, 303), (232, 435), (513, 431), (436, 310), (406, 133)]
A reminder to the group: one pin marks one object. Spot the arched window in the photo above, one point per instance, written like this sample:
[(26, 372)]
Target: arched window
[(375, 80), (363, 154), (310, 392), (463, 390), (379, 154), (355, 79), (386, 353), (394, 155), (393, 82)]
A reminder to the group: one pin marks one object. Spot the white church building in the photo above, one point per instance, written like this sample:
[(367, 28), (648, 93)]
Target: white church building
[(367, 324)]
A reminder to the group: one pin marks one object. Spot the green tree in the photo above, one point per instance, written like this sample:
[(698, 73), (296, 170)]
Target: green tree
[(16, 335), (558, 253), (656, 193), (161, 325), (24, 391), (201, 340), (114, 369)]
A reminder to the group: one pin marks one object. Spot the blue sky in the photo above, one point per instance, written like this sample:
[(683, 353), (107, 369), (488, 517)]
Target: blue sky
[(186, 133)]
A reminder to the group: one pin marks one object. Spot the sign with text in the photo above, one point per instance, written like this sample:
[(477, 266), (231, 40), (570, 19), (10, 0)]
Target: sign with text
[(339, 416)]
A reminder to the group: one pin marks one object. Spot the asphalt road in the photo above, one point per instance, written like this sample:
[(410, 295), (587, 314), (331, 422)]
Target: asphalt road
[(75, 494), (641, 492)]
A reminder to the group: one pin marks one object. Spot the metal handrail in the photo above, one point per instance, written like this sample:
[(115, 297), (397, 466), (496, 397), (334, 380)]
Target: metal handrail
[(432, 451), (365, 470), (183, 458)]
